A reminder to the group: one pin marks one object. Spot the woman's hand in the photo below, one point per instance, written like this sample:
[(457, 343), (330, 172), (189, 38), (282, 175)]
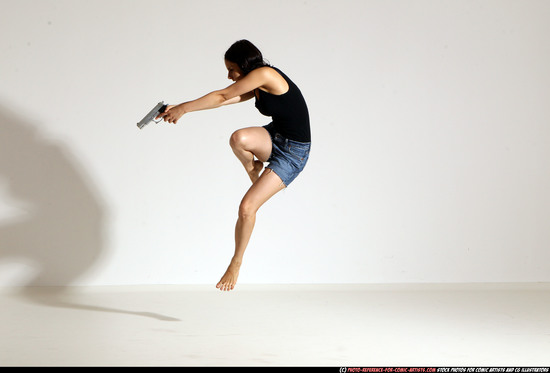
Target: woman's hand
[(172, 113)]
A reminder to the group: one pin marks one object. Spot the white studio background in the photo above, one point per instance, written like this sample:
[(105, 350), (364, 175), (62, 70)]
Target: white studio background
[(430, 159)]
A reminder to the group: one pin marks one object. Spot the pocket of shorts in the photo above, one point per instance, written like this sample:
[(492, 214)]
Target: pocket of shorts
[(298, 152)]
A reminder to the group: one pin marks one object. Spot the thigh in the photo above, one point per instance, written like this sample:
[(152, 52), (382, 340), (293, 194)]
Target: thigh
[(262, 190), (255, 140)]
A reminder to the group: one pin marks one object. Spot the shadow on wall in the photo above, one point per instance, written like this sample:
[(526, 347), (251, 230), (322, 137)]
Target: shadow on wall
[(61, 234)]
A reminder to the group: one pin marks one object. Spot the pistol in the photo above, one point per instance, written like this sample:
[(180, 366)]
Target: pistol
[(150, 117)]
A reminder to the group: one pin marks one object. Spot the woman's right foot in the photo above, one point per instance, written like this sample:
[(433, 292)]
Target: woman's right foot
[(255, 173)]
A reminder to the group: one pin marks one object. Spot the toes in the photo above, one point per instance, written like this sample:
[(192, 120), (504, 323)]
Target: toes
[(222, 285), (225, 286), (227, 283)]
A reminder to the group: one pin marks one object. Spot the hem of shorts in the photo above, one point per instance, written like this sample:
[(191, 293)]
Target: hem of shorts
[(276, 173)]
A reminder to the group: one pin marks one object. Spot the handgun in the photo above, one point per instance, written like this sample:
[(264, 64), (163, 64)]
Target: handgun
[(150, 117)]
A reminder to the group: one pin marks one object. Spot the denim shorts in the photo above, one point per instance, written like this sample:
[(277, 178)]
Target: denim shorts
[(288, 157)]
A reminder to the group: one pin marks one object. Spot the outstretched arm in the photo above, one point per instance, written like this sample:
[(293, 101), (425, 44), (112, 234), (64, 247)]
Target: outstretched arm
[(239, 91)]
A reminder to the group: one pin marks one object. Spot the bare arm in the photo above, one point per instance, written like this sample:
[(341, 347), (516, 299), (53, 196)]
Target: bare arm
[(239, 91), (241, 98)]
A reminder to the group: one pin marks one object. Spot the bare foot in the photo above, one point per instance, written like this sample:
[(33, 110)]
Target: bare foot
[(255, 173), (229, 279)]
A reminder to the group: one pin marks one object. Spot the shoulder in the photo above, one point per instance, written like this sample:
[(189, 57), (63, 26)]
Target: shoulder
[(268, 71), (265, 78), (274, 78), (264, 71)]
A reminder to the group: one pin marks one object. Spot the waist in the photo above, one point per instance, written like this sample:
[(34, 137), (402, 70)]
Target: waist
[(281, 140), (300, 135)]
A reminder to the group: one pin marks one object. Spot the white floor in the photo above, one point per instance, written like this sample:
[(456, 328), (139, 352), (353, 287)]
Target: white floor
[(278, 325)]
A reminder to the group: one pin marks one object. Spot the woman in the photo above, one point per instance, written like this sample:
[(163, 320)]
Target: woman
[(284, 143)]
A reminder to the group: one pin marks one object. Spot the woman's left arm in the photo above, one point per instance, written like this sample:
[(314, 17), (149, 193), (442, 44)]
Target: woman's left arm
[(239, 91)]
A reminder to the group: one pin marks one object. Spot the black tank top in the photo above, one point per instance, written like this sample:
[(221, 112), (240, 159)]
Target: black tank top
[(288, 111)]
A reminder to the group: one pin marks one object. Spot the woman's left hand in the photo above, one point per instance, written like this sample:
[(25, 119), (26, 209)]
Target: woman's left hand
[(172, 113)]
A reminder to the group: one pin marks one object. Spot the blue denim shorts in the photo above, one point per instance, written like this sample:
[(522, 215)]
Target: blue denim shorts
[(288, 157)]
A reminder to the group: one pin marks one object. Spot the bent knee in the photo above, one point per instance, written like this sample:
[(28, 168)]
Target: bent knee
[(238, 139)]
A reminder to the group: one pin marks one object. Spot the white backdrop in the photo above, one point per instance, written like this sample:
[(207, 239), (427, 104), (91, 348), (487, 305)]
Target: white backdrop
[(430, 158)]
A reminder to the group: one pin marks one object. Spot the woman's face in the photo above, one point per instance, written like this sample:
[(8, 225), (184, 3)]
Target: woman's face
[(234, 72)]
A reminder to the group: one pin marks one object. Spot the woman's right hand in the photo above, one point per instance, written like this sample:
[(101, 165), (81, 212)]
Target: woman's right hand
[(172, 113)]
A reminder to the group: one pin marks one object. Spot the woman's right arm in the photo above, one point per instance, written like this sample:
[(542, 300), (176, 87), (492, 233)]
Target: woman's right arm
[(239, 91), (244, 97)]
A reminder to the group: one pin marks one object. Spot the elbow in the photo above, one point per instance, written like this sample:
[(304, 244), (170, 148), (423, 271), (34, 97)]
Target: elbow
[(226, 100), (218, 96), (222, 98)]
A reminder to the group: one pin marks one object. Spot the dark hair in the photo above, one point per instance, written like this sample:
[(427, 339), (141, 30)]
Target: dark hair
[(245, 55)]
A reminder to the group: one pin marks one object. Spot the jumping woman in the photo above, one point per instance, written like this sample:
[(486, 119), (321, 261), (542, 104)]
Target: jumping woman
[(284, 144)]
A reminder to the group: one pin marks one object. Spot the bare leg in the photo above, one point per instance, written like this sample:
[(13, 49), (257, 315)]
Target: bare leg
[(248, 143), (267, 185)]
